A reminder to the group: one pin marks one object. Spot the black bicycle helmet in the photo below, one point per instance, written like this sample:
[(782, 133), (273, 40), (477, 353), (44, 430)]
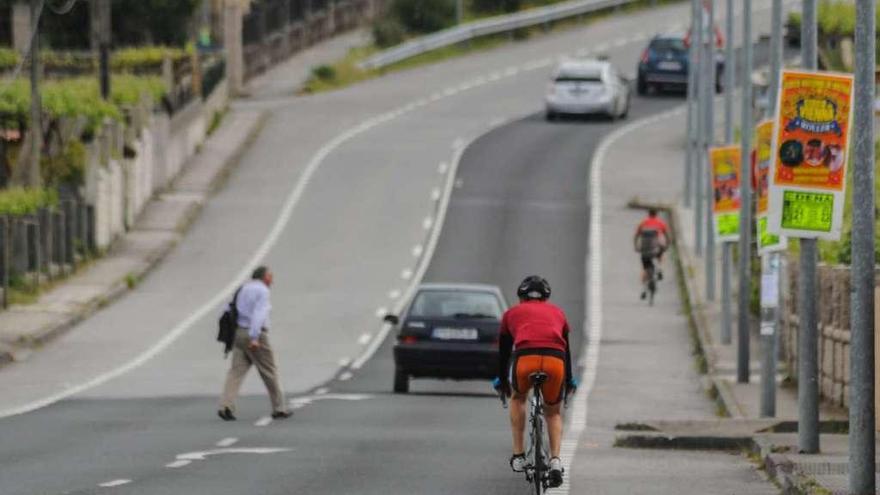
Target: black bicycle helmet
[(533, 287)]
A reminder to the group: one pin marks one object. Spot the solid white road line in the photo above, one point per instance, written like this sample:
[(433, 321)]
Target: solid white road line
[(227, 442), (579, 404), (113, 483)]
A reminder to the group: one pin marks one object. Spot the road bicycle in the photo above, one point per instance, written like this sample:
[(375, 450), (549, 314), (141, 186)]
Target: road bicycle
[(651, 284), (538, 461)]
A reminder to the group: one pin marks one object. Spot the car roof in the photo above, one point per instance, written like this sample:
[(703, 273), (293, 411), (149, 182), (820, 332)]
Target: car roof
[(460, 287)]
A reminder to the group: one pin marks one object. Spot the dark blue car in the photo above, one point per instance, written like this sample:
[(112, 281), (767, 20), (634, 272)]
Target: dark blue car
[(664, 65)]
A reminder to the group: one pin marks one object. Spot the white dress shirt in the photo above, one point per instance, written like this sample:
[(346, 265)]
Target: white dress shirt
[(253, 307)]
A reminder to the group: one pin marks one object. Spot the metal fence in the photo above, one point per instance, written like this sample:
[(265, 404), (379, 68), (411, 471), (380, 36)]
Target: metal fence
[(275, 29), (494, 25), (46, 245)]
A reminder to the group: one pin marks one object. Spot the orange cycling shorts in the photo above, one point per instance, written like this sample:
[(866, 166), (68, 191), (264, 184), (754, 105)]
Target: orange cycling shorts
[(526, 363)]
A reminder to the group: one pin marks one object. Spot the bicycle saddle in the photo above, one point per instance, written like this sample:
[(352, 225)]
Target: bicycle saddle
[(538, 377)]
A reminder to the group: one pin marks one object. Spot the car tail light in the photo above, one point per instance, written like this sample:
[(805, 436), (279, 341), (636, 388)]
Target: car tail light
[(645, 56), (409, 339)]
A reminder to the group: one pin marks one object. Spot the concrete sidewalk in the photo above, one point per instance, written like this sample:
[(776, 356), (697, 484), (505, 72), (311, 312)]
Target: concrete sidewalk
[(774, 439), (165, 219)]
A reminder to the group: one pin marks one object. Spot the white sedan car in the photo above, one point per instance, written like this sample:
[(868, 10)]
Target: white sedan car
[(587, 87)]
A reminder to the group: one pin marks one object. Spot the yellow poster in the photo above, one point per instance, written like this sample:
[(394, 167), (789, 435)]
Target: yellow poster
[(809, 155), (725, 163)]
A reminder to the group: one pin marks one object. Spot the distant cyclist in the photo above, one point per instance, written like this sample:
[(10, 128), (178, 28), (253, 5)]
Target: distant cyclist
[(536, 333), (651, 240)]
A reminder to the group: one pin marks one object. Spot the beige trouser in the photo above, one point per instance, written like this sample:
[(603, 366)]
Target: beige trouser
[(242, 359)]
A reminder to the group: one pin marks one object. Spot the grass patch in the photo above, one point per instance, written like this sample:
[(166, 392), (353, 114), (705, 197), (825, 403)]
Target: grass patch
[(346, 72), (216, 120), (131, 280)]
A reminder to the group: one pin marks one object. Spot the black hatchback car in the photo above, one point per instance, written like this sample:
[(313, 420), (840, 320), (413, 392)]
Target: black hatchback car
[(665, 63), (448, 331)]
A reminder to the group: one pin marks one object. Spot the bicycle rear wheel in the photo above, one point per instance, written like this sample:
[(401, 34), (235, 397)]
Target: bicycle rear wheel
[(539, 463), (538, 477)]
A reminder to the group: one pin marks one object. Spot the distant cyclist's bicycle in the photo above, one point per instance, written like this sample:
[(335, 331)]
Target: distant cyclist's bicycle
[(537, 469), (650, 284)]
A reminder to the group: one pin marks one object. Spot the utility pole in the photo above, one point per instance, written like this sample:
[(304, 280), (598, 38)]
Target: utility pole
[(33, 177), (808, 338), (771, 263), (745, 213), (699, 160), (692, 109), (709, 139), (861, 408), (729, 84)]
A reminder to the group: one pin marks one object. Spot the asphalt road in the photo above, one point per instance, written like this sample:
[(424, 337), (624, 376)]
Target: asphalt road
[(362, 201)]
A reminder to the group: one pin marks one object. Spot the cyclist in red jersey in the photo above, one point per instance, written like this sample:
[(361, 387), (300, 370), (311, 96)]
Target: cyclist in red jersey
[(651, 240), (535, 333)]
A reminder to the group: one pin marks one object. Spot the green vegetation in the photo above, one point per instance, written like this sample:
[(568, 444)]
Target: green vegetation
[(137, 60), (79, 97), (20, 201)]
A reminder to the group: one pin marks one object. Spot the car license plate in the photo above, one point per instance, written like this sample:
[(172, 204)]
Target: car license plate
[(667, 65), (443, 333)]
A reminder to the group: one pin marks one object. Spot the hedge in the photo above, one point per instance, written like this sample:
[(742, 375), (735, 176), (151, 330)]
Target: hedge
[(79, 97), (19, 201), (139, 60)]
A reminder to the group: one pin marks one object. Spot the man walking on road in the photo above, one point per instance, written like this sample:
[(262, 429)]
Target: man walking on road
[(252, 346)]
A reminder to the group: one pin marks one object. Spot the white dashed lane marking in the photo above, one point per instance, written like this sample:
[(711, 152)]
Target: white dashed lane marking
[(227, 442), (364, 338), (264, 421), (113, 483)]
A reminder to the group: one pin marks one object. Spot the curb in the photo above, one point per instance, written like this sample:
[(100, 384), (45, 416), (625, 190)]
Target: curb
[(121, 287)]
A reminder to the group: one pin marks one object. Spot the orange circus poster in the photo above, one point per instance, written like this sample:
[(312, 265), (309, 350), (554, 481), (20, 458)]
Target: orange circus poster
[(809, 162), (725, 163)]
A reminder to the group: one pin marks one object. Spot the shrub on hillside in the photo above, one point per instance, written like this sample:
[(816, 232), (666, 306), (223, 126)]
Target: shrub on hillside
[(499, 6), (424, 16), (388, 31)]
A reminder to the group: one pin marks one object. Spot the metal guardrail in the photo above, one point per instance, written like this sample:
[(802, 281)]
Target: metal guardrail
[(494, 25)]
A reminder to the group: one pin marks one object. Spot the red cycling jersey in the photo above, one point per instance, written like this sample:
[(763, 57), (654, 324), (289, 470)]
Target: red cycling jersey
[(653, 223), (536, 325)]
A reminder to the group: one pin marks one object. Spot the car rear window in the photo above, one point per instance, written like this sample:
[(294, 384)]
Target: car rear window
[(579, 74), (572, 78), (668, 45), (455, 304)]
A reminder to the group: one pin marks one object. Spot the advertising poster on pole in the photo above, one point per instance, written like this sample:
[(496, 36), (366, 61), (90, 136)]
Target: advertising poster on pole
[(763, 155), (810, 145), (725, 162)]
